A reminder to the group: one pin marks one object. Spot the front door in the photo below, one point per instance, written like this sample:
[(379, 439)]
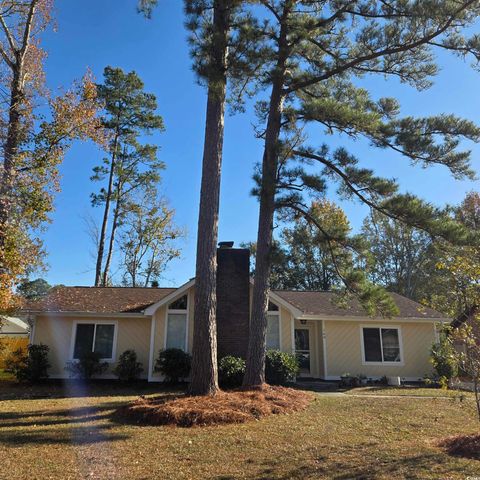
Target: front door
[(302, 350)]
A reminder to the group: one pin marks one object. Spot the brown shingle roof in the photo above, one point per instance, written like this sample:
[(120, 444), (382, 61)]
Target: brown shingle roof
[(99, 299), (135, 300), (322, 303)]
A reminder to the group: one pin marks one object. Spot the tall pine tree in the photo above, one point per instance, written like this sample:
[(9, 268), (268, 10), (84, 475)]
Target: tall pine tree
[(221, 50), (129, 113), (315, 56)]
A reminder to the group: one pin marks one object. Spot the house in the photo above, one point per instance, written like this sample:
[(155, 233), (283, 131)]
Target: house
[(12, 327), (14, 334), (329, 340)]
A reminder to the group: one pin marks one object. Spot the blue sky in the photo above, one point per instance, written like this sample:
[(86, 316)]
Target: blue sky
[(95, 34)]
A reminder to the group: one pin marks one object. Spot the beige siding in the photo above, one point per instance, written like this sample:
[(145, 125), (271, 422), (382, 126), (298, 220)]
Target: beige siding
[(344, 351), (134, 333), (56, 332), (286, 331), (321, 364)]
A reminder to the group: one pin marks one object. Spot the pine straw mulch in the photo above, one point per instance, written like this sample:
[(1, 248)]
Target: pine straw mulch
[(467, 446), (237, 406)]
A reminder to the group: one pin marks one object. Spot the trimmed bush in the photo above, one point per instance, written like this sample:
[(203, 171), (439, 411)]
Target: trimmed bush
[(30, 366), (231, 371), (128, 369), (87, 366), (174, 364), (280, 368)]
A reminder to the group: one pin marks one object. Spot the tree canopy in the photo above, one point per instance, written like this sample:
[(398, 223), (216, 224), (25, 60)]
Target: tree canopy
[(33, 142)]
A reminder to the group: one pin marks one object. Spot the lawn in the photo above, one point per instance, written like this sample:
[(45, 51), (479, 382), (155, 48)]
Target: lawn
[(70, 435), (410, 391)]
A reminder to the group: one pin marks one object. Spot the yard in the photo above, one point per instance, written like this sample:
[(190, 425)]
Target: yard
[(56, 433)]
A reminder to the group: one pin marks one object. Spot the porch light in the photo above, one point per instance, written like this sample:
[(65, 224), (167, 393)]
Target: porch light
[(303, 321)]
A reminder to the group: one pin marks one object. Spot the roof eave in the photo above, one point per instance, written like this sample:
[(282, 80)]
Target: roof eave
[(85, 314), (362, 318)]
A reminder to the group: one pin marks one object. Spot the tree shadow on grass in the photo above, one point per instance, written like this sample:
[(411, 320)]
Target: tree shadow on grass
[(58, 417), (72, 436), (57, 389), (411, 467), (74, 426)]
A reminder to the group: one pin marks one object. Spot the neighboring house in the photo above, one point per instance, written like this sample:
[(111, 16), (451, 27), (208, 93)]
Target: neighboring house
[(12, 327), (329, 340), (14, 334)]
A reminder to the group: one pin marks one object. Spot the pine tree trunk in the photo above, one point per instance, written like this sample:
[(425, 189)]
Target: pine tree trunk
[(255, 371), (204, 375), (111, 243), (106, 213), (10, 151), (476, 389)]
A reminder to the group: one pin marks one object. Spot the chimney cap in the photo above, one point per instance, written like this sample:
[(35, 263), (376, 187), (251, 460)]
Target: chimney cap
[(226, 244)]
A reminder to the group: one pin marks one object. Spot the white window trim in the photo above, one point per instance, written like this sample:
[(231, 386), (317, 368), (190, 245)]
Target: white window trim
[(182, 312), (401, 363), (276, 313), (95, 322)]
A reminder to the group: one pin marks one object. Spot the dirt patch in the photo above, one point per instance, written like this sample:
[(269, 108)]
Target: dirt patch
[(467, 446), (223, 408)]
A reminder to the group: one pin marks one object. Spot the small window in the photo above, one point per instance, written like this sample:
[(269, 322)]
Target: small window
[(272, 307), (273, 332), (381, 345), (179, 304), (94, 337)]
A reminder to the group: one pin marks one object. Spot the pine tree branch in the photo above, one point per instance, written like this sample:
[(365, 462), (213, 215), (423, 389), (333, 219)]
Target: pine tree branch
[(386, 51)]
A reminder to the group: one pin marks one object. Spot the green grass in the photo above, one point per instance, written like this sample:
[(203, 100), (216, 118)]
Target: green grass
[(410, 391), (71, 435)]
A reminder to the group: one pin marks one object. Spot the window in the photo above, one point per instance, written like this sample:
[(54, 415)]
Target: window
[(381, 345), (272, 307), (176, 330), (177, 315), (273, 332), (273, 327), (94, 337), (179, 304)]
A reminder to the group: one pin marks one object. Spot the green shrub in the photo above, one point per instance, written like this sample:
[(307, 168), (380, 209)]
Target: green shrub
[(280, 367), (231, 371), (30, 366), (87, 366), (444, 360), (174, 364), (128, 369)]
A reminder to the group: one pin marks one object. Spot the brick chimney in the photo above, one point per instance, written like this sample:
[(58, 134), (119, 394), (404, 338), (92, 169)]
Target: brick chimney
[(233, 300)]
